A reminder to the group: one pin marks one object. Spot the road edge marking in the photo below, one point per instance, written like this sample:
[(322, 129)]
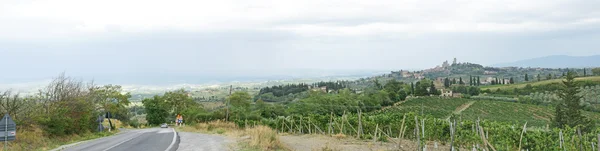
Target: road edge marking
[(174, 140)]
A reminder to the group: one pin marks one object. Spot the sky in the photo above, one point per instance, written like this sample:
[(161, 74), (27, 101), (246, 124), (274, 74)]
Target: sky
[(130, 40)]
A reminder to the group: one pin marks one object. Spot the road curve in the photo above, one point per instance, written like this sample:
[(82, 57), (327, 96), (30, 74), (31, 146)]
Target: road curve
[(153, 139)]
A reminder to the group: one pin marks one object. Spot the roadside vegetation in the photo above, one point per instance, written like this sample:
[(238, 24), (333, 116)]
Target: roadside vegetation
[(65, 111)]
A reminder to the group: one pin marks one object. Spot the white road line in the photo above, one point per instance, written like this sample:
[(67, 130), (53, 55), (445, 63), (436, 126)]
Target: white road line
[(174, 139), (123, 141)]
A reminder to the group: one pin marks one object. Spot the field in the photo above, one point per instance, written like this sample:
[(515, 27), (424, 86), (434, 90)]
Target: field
[(522, 85), (534, 115), (436, 107)]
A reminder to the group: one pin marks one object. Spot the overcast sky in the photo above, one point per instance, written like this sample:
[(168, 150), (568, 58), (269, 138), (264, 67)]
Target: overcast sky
[(261, 37)]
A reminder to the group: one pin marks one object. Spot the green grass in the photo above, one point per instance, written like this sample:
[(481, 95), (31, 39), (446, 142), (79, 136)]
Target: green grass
[(522, 85)]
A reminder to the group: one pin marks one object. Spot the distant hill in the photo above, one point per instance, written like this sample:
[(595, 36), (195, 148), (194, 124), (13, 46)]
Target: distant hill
[(558, 61)]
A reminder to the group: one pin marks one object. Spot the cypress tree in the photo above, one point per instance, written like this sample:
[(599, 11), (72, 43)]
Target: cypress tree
[(503, 81), (584, 72), (470, 80), (412, 89), (539, 77), (478, 81), (526, 77), (568, 109), (460, 81)]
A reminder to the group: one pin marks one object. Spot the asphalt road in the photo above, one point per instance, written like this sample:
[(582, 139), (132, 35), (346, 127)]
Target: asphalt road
[(153, 139)]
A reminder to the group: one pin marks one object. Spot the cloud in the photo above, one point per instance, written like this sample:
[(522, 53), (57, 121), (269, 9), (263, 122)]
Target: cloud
[(307, 17)]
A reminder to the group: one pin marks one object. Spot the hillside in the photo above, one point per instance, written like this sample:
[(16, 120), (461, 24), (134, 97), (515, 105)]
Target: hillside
[(465, 70), (558, 61), (534, 115), (537, 83)]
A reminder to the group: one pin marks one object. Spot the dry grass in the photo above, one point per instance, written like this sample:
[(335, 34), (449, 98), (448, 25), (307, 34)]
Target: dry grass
[(264, 138), (33, 138), (339, 136), (257, 138)]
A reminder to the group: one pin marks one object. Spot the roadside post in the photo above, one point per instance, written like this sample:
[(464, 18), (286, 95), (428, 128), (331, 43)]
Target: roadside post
[(9, 129)]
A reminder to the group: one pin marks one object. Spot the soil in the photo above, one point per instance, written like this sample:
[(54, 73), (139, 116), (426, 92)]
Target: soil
[(322, 142)]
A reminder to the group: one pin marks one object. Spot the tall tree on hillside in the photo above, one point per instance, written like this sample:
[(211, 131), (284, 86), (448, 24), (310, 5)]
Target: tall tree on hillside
[(460, 81), (433, 90), (446, 82), (549, 76), (526, 77), (539, 77), (511, 81), (497, 81), (453, 80), (584, 72), (503, 81), (412, 89), (568, 110), (563, 74), (478, 81)]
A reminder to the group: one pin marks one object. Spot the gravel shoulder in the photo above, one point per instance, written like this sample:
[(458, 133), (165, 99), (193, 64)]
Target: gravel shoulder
[(190, 141)]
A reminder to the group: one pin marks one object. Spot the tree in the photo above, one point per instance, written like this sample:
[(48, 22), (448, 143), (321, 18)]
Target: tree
[(568, 109), (156, 110), (453, 80), (503, 81), (110, 100), (377, 84), (584, 72), (478, 81), (433, 90), (446, 82), (422, 86), (511, 80), (470, 80), (460, 81), (596, 71), (526, 77), (412, 89), (539, 77), (549, 76)]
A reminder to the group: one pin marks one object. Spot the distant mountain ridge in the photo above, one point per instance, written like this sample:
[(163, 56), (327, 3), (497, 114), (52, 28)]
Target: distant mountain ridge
[(556, 61)]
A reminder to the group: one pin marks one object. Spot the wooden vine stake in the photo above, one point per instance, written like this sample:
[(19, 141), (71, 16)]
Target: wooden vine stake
[(418, 135), (561, 139), (485, 139), (452, 129), (400, 133), (580, 139), (343, 119), (375, 135), (359, 132), (521, 139), (330, 124)]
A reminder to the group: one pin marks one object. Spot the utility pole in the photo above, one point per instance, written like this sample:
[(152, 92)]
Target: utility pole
[(227, 103)]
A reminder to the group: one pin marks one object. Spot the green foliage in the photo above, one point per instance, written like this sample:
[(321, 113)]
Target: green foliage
[(161, 109), (596, 71), (568, 111), (156, 110)]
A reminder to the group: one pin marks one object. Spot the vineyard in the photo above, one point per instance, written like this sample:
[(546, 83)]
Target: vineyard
[(545, 82), (534, 115), (436, 107), (391, 126), (484, 125)]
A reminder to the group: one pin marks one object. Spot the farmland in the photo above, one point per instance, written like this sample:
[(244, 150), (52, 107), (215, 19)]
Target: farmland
[(544, 82)]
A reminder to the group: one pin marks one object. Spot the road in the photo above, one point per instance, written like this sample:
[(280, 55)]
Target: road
[(153, 139)]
